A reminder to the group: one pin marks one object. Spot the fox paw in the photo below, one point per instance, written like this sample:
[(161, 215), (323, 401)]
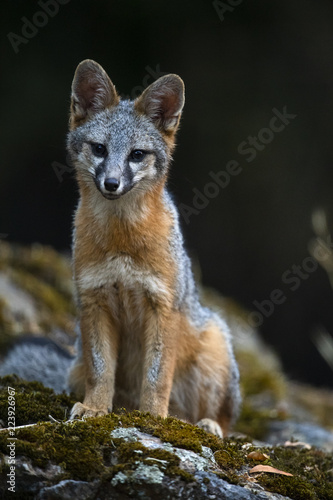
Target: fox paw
[(80, 410), (209, 425)]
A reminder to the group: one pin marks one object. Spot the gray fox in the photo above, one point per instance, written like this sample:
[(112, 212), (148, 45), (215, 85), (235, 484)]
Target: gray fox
[(146, 341)]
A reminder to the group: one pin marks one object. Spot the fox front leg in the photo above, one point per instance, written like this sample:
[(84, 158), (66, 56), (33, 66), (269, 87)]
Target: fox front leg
[(99, 346), (159, 365)]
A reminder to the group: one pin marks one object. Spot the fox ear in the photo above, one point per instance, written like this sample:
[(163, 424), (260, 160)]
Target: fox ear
[(92, 91), (163, 102)]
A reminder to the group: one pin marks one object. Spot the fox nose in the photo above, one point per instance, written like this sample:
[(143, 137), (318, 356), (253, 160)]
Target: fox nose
[(111, 184)]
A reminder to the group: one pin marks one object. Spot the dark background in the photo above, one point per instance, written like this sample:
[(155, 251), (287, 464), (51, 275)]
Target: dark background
[(237, 66)]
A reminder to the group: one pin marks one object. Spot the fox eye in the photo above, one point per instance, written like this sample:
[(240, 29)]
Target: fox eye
[(99, 150), (137, 155)]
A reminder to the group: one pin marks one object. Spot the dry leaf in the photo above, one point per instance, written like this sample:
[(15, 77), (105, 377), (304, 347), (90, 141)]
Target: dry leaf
[(299, 444), (268, 468), (257, 455)]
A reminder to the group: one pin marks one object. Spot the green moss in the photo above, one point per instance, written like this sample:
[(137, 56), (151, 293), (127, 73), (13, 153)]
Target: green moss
[(292, 487), (74, 447), (312, 474), (33, 401), (231, 454)]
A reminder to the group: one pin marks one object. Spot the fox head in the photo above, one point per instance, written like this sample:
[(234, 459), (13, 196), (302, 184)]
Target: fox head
[(118, 146)]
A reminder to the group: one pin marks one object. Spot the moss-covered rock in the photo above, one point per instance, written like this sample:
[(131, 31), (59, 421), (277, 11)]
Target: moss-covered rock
[(120, 451), (33, 401)]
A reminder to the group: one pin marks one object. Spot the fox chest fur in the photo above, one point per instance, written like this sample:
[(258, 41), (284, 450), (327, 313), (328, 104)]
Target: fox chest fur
[(119, 256)]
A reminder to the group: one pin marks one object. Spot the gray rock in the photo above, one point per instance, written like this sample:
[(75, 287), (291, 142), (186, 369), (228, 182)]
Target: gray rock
[(219, 489), (68, 490), (314, 435)]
